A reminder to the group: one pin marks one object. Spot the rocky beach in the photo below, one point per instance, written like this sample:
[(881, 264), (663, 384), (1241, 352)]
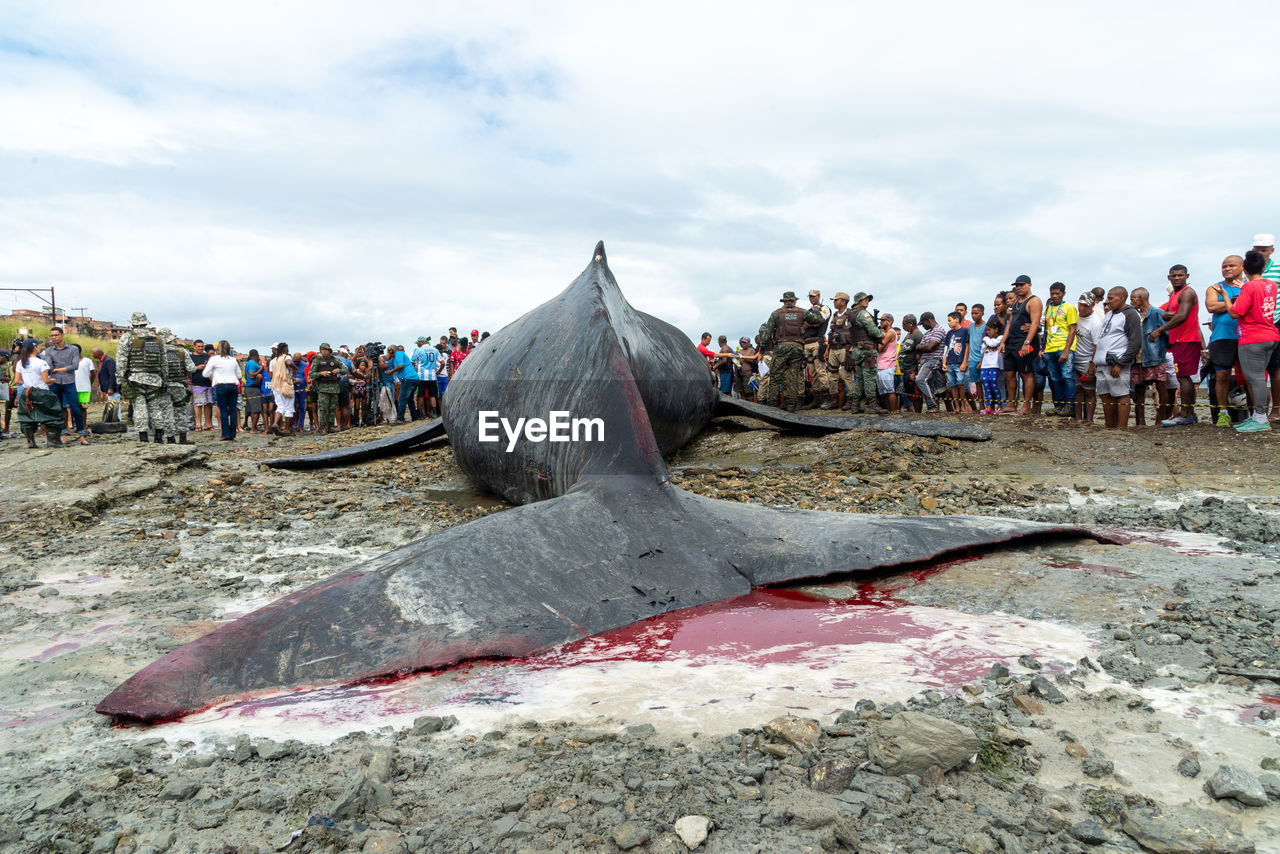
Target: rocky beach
[(1109, 693)]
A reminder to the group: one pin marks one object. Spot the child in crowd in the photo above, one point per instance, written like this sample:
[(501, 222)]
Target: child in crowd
[(956, 360), (992, 365)]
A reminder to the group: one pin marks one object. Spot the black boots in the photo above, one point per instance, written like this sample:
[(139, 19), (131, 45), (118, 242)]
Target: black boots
[(30, 433), (142, 436), (183, 440), (159, 436)]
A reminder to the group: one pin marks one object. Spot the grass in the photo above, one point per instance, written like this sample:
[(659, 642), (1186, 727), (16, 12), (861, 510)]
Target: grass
[(9, 329)]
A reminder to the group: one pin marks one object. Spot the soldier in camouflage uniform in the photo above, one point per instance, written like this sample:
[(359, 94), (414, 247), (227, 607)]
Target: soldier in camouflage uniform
[(815, 334), (784, 331), (140, 365), (861, 358), (325, 371), (178, 370)]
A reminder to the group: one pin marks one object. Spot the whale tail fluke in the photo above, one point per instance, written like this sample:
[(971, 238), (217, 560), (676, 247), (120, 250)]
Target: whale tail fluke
[(833, 423)]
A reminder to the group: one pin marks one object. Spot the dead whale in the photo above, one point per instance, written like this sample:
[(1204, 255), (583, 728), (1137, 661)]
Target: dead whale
[(601, 537)]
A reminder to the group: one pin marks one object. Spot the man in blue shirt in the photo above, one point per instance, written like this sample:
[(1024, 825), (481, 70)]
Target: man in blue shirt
[(974, 372), (426, 359), (402, 368), (1224, 337)]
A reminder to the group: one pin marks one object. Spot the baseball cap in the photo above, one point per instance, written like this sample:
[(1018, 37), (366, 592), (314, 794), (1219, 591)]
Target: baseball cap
[(1264, 240), (1022, 280), (1086, 298), (815, 293), (475, 332)]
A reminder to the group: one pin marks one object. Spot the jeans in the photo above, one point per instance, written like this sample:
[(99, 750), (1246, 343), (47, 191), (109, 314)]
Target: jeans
[(408, 389), (1063, 377), (68, 398), (926, 372), (225, 396)]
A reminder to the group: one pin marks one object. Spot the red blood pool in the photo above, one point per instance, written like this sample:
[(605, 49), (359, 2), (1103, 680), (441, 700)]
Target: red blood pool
[(55, 650)]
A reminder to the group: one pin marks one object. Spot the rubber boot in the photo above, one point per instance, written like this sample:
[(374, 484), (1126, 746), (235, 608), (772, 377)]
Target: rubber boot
[(30, 433), (841, 402), (159, 436), (824, 400), (171, 440), (183, 440), (53, 439), (142, 436)]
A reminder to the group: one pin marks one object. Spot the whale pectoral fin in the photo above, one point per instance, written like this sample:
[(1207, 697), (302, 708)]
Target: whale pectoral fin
[(410, 440), (770, 545), (833, 423)]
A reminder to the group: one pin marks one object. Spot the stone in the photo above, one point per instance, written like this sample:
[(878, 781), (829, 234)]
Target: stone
[(1185, 830), (639, 731), (800, 732), (179, 789), (1270, 785), (243, 750), (1030, 662), (1232, 781), (1011, 737), (693, 830), (1029, 705), (833, 775), (384, 842), (56, 797), (629, 835), (272, 750), (1097, 766), (512, 827), (426, 725), (1045, 689), (978, 843), (812, 815), (1189, 766), (1089, 831), (1077, 750), (914, 742)]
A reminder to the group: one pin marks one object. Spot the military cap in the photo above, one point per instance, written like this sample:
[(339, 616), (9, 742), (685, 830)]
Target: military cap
[(788, 296), (841, 295), (138, 318), (422, 339), (325, 346), (815, 293), (165, 334), (861, 295)]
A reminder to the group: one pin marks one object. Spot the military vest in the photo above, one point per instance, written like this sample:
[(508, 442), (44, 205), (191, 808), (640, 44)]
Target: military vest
[(816, 331), (841, 333), (859, 337), (320, 363), (790, 325), (175, 359), (146, 355)]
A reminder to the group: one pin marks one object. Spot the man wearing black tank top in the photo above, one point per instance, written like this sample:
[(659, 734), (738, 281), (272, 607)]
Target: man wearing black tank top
[(1019, 344)]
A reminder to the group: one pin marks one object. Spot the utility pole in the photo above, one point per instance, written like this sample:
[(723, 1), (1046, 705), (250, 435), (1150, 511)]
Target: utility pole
[(38, 292)]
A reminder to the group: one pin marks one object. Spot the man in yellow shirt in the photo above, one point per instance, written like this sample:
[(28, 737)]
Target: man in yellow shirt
[(1060, 320)]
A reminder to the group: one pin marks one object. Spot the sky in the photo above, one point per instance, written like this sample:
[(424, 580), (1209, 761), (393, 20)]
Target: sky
[(347, 172)]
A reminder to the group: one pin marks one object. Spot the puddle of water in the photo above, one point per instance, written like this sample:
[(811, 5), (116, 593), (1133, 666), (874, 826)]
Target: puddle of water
[(1182, 542), (709, 669)]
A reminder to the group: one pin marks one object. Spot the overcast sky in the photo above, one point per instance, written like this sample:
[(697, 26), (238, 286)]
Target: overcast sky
[(376, 170)]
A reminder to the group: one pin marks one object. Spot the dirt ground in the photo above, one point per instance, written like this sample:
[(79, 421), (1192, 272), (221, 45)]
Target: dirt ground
[(118, 552)]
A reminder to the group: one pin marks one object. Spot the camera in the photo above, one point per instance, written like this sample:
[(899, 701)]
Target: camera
[(374, 349)]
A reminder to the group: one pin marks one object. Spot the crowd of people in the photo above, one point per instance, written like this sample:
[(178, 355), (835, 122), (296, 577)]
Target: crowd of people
[(168, 391), (1113, 349), (1110, 348)]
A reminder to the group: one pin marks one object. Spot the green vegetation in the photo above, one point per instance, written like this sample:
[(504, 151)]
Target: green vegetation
[(9, 329)]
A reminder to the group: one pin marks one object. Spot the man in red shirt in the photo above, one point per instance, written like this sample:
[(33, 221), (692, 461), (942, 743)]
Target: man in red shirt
[(1182, 322)]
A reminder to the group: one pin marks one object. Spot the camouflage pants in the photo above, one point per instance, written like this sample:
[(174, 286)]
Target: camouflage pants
[(835, 374), (152, 410), (764, 393), (326, 408), (813, 364), (787, 371), (862, 373)]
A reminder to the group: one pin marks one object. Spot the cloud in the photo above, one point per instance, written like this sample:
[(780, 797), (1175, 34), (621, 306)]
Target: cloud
[(380, 170)]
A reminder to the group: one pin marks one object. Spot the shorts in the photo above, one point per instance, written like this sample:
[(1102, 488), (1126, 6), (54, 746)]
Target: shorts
[(1224, 353), (1019, 364), (1140, 374), (202, 395), (975, 372), (84, 397), (1115, 387), (1186, 356), (430, 388), (344, 395), (252, 400), (444, 384), (885, 381), (956, 376), (284, 405)]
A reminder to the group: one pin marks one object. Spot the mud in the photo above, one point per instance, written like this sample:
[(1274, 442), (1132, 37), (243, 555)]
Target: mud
[(1164, 647)]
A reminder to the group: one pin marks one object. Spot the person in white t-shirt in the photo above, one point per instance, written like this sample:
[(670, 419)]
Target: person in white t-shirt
[(37, 405)]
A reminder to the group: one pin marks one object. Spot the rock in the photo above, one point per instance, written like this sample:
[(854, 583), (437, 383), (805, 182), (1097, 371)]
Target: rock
[(1030, 662), (1042, 687), (639, 731), (693, 829), (978, 843), (1189, 766), (384, 842), (1089, 831), (11, 832), (1097, 766), (812, 815), (629, 835), (179, 789), (48, 592), (1077, 750), (271, 750), (914, 742), (833, 775), (426, 725), (1164, 683), (56, 797), (1028, 704), (800, 732), (1186, 830), (1011, 737), (511, 826), (1232, 781), (998, 671), (243, 751), (1270, 785)]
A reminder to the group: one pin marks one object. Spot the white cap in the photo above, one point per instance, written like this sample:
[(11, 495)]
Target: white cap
[(1264, 240)]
